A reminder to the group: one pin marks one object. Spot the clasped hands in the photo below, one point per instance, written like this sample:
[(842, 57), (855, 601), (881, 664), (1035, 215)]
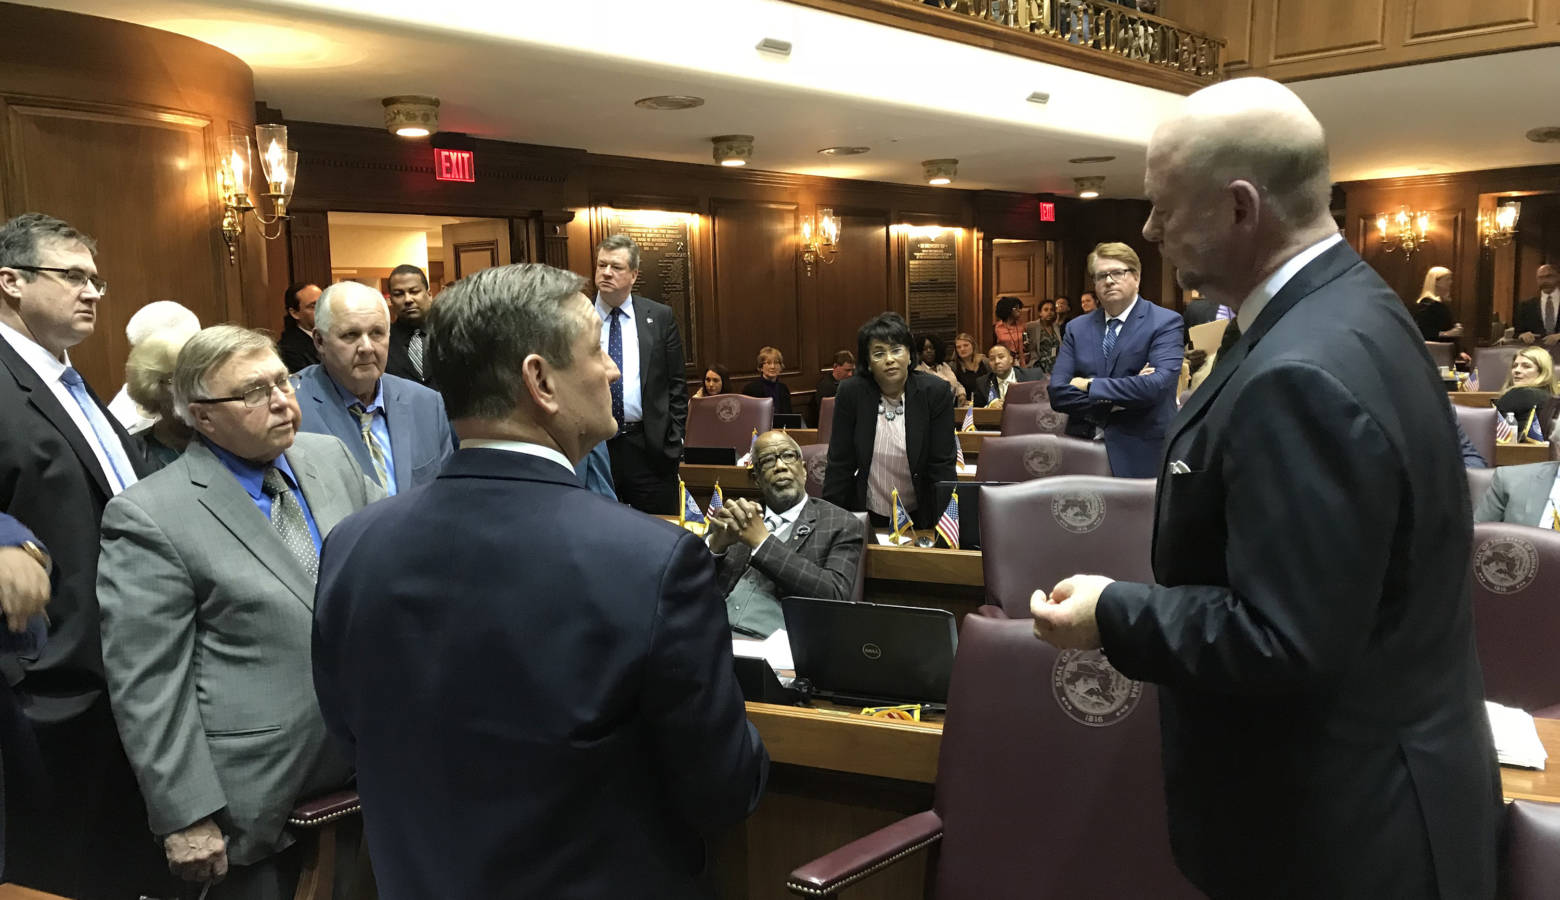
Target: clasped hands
[(1064, 618), (737, 520)]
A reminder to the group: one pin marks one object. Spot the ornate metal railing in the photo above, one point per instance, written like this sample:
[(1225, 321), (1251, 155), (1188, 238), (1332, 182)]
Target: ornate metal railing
[(1103, 26)]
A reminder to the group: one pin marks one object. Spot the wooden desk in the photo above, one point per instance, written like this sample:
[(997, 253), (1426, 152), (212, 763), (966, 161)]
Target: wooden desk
[(986, 418), (17, 892), (925, 564), (843, 741), (1518, 454), (1526, 784), (1479, 399)]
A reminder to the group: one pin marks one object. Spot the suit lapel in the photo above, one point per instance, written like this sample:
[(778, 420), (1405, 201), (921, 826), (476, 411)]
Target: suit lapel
[(915, 426), (1128, 331), (1536, 494), (645, 326), (806, 524), (339, 421), (43, 400), (227, 501)]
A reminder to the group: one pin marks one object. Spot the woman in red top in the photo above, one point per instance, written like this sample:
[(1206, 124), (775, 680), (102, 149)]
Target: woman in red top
[(1009, 332)]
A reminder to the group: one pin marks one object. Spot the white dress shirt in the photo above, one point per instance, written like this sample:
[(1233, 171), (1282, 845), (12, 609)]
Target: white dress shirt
[(49, 370), (1257, 300), (779, 524), (633, 397), (528, 449)]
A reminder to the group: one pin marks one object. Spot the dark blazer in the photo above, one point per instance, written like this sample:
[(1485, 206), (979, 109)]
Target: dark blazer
[(971, 379), (758, 388), (1431, 317), (296, 347), (420, 436), (575, 702), (661, 383), (1322, 707), (50, 479), (819, 559), (929, 441), (1134, 409), (983, 383), (1530, 317), (399, 362)]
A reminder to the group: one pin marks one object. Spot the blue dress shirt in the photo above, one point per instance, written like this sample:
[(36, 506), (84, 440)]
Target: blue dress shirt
[(250, 478), (380, 427), (633, 394)]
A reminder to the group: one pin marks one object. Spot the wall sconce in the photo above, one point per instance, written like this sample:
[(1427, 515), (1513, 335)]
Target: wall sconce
[(940, 171), (1403, 230), (820, 241), (1499, 226), (278, 164), (733, 149)]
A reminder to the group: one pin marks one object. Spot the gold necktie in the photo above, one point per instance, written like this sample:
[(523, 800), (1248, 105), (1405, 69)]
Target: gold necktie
[(375, 452)]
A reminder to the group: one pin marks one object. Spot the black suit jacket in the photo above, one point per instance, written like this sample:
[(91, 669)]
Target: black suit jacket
[(50, 479), (983, 383), (820, 559), (398, 362), (782, 394), (563, 721), (296, 347), (1530, 317), (1323, 720), (929, 441), (663, 389)]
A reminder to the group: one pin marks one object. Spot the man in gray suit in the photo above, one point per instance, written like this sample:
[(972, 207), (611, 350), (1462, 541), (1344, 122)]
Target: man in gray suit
[(791, 546), (396, 428), (1522, 495), (206, 582)]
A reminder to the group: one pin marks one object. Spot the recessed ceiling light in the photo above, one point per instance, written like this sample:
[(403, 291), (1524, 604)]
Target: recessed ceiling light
[(1089, 186), (843, 151), (1549, 134), (1084, 160), (940, 171), (1040, 97), (733, 149), (411, 115), (669, 101), (775, 46)]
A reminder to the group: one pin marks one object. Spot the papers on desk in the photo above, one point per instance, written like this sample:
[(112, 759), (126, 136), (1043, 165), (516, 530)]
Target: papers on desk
[(887, 539), (967, 469), (775, 649), (1516, 738)]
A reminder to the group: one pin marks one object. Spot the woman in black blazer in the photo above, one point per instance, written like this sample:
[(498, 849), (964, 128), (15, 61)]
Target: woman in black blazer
[(768, 384), (883, 390)]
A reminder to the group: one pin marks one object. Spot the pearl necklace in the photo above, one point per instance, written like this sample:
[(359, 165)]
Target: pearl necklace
[(889, 411)]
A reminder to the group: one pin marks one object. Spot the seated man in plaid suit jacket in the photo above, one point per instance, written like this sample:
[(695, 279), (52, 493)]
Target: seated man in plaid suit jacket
[(790, 546)]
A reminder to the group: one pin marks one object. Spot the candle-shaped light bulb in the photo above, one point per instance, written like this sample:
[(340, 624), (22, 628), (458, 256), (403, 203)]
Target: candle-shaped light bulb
[(275, 168)]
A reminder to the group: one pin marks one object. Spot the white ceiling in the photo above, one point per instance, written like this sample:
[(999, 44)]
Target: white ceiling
[(566, 74)]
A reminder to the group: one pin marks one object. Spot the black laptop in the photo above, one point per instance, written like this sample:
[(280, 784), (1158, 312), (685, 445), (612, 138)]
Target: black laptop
[(871, 654), (969, 507), (709, 456), (788, 420)]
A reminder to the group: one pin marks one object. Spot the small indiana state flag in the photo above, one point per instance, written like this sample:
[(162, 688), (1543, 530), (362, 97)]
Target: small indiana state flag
[(690, 517), (717, 501), (948, 525), (993, 394), (902, 523), (1535, 428), (969, 418)]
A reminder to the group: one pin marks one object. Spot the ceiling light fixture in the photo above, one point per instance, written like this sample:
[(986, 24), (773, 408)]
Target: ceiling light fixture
[(1089, 186), (669, 102), (733, 149), (940, 171), (1549, 134), (1086, 160), (775, 46), (1040, 97), (411, 115), (843, 151)]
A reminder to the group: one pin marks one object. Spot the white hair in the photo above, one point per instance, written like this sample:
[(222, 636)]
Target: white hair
[(169, 318), (344, 290)]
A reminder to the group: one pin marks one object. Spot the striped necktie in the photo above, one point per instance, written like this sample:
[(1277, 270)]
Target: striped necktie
[(414, 351), (375, 451), (1109, 345)]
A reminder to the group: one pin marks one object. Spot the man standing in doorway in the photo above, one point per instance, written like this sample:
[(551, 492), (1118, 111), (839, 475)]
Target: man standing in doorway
[(409, 300), (650, 401)]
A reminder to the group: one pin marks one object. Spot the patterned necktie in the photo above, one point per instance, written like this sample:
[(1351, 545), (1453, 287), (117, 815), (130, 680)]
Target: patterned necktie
[(1549, 312), (375, 451), (414, 351), (615, 350), (1109, 344), (288, 520), (107, 439)]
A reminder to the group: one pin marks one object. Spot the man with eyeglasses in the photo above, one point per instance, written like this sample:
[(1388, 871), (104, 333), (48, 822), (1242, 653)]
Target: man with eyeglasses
[(62, 458), (789, 546), (1116, 372), (206, 583)]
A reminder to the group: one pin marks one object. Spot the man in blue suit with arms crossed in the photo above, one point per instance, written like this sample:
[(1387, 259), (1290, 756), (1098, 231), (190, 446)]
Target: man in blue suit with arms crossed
[(553, 667), (396, 428), (1116, 371)]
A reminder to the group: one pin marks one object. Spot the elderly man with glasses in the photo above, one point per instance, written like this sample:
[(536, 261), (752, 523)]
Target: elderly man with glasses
[(1116, 371), (790, 546), (206, 584)]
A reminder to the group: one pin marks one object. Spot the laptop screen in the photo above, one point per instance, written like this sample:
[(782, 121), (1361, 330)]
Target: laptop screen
[(869, 653)]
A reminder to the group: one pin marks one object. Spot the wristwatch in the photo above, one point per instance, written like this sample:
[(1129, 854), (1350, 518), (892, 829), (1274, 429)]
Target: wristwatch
[(32, 549)]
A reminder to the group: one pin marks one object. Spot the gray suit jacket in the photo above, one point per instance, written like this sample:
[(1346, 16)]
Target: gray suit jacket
[(1517, 494), (420, 435), (206, 644), (819, 559)]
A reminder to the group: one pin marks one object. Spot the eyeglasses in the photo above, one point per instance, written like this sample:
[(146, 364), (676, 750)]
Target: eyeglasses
[(76, 278), (260, 393), (1112, 275), (789, 457), (896, 351)]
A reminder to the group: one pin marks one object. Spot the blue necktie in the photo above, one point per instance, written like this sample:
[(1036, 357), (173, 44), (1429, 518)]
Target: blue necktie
[(107, 440), (615, 350), (1110, 338)]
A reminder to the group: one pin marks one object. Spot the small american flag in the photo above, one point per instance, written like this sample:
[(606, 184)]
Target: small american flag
[(717, 501), (948, 525), (1505, 429), (969, 418), (958, 452)]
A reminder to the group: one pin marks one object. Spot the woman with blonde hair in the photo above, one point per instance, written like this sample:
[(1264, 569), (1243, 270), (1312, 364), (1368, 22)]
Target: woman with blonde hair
[(969, 364), (1529, 393), (149, 382), (1432, 313)]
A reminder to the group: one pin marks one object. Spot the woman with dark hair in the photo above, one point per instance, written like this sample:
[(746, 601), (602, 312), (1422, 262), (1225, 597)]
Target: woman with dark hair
[(893, 429), (1009, 332), (716, 377), (931, 363)]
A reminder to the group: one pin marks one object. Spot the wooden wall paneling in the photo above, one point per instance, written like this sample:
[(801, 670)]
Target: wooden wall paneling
[(1230, 19), (1307, 29), (756, 274), (1439, 20), (308, 241), (855, 287)]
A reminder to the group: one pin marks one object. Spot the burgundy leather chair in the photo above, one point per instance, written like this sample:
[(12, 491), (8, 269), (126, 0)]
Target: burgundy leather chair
[(1027, 392), (825, 420), (1033, 418), (1441, 352), (1479, 484), (1479, 424), (816, 458), (1034, 534), (1023, 457), (728, 420), (1516, 578), (314, 823), (1030, 801), (1531, 867), (1493, 365)]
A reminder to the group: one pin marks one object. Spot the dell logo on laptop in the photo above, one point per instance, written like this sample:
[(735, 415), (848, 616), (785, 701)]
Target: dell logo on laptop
[(871, 651)]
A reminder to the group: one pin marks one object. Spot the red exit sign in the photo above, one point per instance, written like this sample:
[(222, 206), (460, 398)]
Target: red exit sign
[(454, 165), (1047, 211)]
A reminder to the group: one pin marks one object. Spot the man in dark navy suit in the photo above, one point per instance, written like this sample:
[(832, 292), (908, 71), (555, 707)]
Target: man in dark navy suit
[(1311, 627), (538, 692), (1116, 372)]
